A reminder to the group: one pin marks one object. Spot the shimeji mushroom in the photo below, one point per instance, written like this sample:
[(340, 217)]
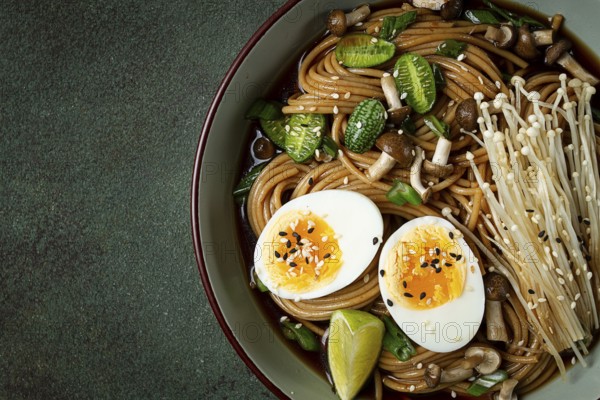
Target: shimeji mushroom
[(438, 166), (485, 360), (467, 114), (415, 175), (435, 5), (396, 111), (338, 21), (527, 42), (503, 37), (451, 9), (394, 148), (507, 390), (434, 375), (496, 291), (559, 54)]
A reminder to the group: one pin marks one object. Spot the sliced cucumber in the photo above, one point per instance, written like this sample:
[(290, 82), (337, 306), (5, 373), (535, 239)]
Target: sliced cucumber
[(264, 109), (364, 125), (275, 130), (415, 78), (303, 137), (360, 50)]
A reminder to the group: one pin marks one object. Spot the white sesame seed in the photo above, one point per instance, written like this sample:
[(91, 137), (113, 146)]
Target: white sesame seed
[(316, 129), (396, 72), (542, 300), (312, 109), (347, 95), (320, 264), (561, 281), (461, 57), (573, 360), (559, 271), (336, 110), (589, 275), (403, 96), (420, 366), (374, 40), (366, 278), (335, 78), (335, 95), (283, 319), (287, 128), (560, 298), (453, 394), (412, 388), (521, 343), (359, 124), (298, 326), (346, 180)]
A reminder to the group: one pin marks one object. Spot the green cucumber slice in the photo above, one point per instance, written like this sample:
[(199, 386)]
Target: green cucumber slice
[(303, 137), (364, 125), (264, 109), (359, 50), (392, 26), (275, 130), (415, 78)]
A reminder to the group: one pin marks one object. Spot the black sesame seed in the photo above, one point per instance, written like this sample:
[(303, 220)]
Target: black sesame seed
[(292, 251), (408, 295), (422, 296), (390, 303), (306, 259), (505, 228), (329, 255), (448, 265), (459, 257), (375, 241), (282, 233), (382, 273), (529, 210), (580, 218), (531, 291), (285, 256), (437, 251), (587, 221), (311, 230), (296, 235), (451, 234), (542, 234), (277, 254), (293, 264), (435, 261), (558, 240), (310, 181), (588, 258), (546, 238), (288, 244), (438, 270), (404, 284), (424, 265), (453, 255)]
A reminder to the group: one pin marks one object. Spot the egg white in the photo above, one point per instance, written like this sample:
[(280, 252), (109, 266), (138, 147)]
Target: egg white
[(353, 216), (452, 325)]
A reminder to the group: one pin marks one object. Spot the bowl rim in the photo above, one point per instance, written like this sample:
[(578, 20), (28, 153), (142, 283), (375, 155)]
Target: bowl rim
[(195, 194)]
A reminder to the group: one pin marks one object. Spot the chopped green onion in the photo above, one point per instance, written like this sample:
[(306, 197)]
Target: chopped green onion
[(393, 25), (438, 76), (485, 382), (243, 188), (402, 193), (396, 342), (263, 109), (408, 126), (329, 146), (481, 17), (301, 334), (440, 128), (259, 284), (451, 48)]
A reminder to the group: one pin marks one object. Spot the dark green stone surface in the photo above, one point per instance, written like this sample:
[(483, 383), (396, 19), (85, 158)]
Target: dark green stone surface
[(101, 105)]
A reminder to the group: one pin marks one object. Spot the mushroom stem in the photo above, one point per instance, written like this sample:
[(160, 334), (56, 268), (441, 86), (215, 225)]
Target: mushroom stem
[(569, 63), (380, 167), (415, 175), (496, 328), (390, 91), (557, 21), (455, 375), (442, 151), (506, 390), (472, 361), (358, 15), (543, 37), (435, 5)]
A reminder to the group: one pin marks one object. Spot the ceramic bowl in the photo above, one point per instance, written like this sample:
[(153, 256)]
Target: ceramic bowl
[(221, 147)]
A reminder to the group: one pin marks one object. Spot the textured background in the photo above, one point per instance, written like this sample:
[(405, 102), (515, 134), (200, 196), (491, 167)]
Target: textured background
[(101, 105)]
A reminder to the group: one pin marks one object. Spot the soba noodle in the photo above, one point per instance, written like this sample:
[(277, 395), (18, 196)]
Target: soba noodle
[(540, 329)]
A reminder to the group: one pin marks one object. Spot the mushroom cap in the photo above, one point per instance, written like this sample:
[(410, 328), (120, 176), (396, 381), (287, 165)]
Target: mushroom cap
[(336, 22), (398, 115), (433, 375), (554, 52), (525, 46), (451, 9), (399, 147), (503, 37), (496, 286), (490, 359), (466, 114)]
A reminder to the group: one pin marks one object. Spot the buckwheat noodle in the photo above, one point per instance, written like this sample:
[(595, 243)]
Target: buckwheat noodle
[(540, 330)]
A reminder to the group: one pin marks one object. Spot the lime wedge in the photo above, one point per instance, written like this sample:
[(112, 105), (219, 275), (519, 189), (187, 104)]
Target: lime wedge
[(354, 344)]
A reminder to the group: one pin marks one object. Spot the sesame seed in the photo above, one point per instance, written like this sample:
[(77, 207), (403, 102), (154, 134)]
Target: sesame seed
[(453, 255), (325, 238), (346, 180), (587, 221), (412, 388), (435, 261), (336, 110), (542, 300), (366, 278), (347, 95), (424, 265), (420, 366), (382, 273), (438, 270), (335, 96), (298, 326), (459, 257), (359, 124), (320, 264), (335, 78), (542, 234), (573, 305), (560, 298), (390, 303), (375, 241), (448, 265), (282, 233), (453, 394), (577, 296), (422, 296), (293, 264), (408, 295), (283, 319), (451, 234), (531, 291), (277, 254), (573, 360)]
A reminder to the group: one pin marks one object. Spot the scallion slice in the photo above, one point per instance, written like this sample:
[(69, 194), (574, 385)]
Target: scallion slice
[(402, 193)]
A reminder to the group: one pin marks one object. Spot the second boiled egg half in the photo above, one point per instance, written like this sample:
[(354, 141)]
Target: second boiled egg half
[(431, 283)]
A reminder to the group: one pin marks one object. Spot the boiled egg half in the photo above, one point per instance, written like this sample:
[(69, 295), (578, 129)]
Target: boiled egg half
[(318, 243), (431, 283)]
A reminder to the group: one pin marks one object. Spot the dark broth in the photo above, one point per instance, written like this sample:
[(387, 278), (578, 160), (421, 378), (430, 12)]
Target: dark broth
[(284, 86)]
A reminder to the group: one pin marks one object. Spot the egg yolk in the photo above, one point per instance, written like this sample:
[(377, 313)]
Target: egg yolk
[(304, 252), (426, 268)]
